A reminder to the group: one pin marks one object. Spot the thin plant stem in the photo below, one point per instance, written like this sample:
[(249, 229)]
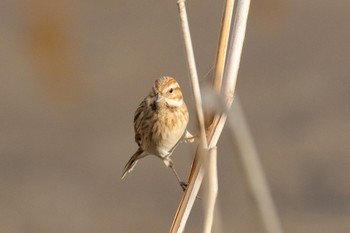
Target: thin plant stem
[(223, 45), (193, 71), (211, 177), (212, 189), (196, 174), (253, 170), (189, 197), (221, 53), (233, 61)]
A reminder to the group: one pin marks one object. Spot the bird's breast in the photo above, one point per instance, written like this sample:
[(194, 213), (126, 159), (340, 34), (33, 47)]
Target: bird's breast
[(167, 128)]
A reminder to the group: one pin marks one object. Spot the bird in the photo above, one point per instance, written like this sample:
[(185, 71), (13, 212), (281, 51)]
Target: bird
[(160, 124)]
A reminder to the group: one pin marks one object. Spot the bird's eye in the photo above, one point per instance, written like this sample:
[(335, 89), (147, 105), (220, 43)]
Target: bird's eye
[(171, 90)]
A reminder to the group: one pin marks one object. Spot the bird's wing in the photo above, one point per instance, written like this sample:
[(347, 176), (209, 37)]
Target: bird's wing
[(138, 118)]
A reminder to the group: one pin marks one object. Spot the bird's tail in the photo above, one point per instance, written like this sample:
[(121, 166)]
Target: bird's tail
[(132, 162)]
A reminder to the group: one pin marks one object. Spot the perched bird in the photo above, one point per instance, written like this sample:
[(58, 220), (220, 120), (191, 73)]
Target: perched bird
[(160, 124)]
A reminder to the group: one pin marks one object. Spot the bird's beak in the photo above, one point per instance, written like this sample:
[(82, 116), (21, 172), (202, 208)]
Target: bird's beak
[(158, 96)]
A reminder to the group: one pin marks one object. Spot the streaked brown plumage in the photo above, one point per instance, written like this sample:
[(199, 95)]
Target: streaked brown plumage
[(160, 123)]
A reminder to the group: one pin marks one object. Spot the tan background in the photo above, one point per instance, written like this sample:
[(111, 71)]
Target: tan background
[(73, 72)]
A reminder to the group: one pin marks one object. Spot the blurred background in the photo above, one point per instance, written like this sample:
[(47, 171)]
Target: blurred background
[(73, 72)]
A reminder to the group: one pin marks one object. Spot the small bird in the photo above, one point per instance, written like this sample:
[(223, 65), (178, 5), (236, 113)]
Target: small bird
[(160, 123)]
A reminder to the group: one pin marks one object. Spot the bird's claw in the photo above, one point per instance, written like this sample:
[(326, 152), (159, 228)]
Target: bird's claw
[(183, 185)]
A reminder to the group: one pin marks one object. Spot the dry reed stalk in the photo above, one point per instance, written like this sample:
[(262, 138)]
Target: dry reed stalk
[(223, 45), (253, 170), (196, 174), (211, 178), (248, 156), (221, 53), (193, 72)]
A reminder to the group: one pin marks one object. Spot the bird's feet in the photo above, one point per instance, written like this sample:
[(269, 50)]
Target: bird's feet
[(183, 185)]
